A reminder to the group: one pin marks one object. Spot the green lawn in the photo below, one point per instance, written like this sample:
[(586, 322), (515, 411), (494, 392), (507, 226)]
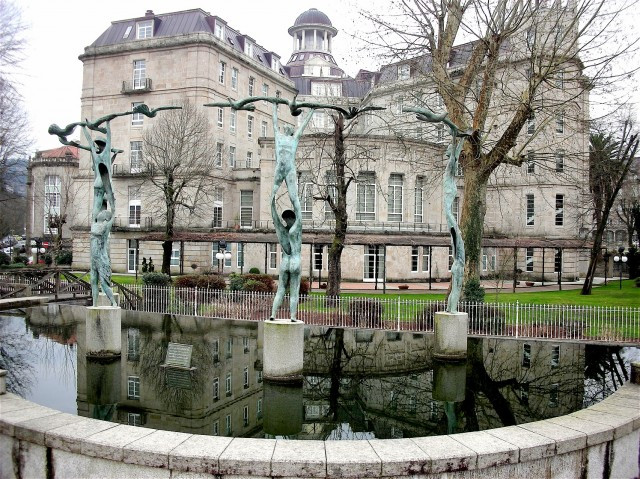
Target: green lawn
[(609, 295)]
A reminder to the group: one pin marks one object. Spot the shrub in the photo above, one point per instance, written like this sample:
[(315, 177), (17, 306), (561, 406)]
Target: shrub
[(366, 312), (156, 279), (255, 286), (482, 319), (4, 259), (211, 281), (473, 291), (403, 286), (638, 282), (254, 271), (21, 259), (48, 260), (235, 282), (267, 280), (304, 287)]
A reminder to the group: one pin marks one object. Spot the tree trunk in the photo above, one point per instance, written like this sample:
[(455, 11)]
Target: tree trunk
[(594, 254), (340, 212), (167, 247), (474, 209)]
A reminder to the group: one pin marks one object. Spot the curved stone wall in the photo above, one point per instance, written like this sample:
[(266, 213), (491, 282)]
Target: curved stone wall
[(601, 441)]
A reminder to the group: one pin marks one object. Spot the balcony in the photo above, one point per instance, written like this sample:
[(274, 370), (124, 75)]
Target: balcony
[(137, 86), (144, 223)]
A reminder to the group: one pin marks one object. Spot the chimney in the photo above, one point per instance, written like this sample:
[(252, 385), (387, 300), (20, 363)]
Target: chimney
[(149, 13)]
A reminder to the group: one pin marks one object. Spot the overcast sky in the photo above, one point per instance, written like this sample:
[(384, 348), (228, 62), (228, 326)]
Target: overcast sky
[(58, 31)]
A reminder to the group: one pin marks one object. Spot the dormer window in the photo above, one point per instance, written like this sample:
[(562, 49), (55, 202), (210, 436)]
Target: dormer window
[(248, 48), (403, 72), (127, 32), (275, 64), (219, 31), (144, 29)]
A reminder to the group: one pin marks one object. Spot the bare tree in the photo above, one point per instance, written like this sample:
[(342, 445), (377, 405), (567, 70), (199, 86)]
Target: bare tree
[(628, 210), (610, 158), (524, 63), (179, 165)]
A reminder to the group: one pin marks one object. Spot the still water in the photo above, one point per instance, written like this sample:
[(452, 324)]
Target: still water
[(358, 384)]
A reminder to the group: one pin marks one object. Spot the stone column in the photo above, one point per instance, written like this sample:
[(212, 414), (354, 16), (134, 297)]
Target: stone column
[(283, 350), (325, 45), (451, 335), (302, 45), (283, 409)]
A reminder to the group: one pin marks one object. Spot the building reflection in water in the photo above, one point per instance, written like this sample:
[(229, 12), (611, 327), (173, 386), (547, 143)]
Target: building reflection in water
[(358, 384)]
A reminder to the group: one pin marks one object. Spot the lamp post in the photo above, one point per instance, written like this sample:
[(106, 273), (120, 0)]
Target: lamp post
[(222, 255), (620, 258)]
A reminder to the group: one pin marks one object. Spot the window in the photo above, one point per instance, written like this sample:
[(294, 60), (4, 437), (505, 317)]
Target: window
[(144, 29), (127, 32), (265, 89), (216, 429), (218, 158), (245, 416), (559, 161), (218, 196), (560, 122), (366, 197), (135, 207), (134, 419), (175, 257), (531, 124), (52, 200), (246, 208), (259, 408), (415, 254), (132, 255), (306, 200), (403, 72), (245, 345), (418, 200), (245, 377), (524, 394), (529, 260), (273, 255), (557, 261), (227, 384), (426, 258), (249, 126), (139, 74), (227, 421), (248, 49), (554, 394), (317, 120), (234, 78), (135, 156), (259, 376), (439, 132), (133, 344), (221, 72), (560, 79), (455, 208), (240, 255), (450, 261), (229, 347), (263, 128), (137, 119), (220, 121), (526, 355), (232, 121), (395, 197), (530, 210), (133, 387), (559, 210), (215, 344), (232, 157), (318, 257), (249, 160), (252, 84), (216, 389), (219, 31), (531, 162), (555, 356)]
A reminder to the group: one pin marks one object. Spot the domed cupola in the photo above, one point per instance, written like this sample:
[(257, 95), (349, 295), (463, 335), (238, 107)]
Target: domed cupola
[(312, 31)]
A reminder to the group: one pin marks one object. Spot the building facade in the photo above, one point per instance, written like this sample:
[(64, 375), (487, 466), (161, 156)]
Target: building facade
[(397, 230)]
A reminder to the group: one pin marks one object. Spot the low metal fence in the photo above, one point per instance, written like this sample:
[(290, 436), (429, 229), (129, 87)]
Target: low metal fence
[(517, 320)]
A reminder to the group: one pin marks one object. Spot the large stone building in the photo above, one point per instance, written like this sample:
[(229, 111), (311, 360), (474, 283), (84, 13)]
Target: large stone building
[(397, 229)]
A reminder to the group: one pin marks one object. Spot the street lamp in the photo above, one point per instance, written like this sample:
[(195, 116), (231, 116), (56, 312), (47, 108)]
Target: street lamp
[(620, 258), (222, 255)]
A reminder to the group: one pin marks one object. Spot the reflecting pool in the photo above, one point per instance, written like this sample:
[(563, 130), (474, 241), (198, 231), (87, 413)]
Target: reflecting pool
[(358, 384)]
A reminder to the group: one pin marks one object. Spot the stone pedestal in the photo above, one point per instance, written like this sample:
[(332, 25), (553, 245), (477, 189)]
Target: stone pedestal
[(282, 409), (450, 335), (104, 301), (283, 350), (103, 325)]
